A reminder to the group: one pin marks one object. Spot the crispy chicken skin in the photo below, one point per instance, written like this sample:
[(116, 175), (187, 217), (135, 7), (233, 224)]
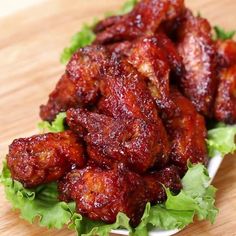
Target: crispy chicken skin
[(145, 18), (102, 194), (187, 133), (138, 143), (225, 105), (79, 86), (226, 53), (199, 57), (44, 158)]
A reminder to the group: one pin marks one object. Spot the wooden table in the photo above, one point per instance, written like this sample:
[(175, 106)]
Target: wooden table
[(30, 44)]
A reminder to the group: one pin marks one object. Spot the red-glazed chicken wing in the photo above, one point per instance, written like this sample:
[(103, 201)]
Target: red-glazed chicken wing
[(143, 19), (187, 132), (199, 57), (225, 105), (44, 158), (154, 57), (79, 86), (125, 93), (137, 143), (102, 194)]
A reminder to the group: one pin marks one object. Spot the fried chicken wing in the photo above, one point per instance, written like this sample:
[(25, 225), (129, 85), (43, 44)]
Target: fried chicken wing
[(226, 53), (144, 19), (199, 57), (44, 158), (125, 93), (225, 104), (154, 57), (79, 86), (187, 132), (137, 143), (102, 194)]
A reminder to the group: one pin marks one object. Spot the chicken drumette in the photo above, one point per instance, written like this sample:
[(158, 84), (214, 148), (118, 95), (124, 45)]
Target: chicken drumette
[(187, 132), (44, 158), (198, 51), (101, 194), (79, 86), (137, 143), (144, 19)]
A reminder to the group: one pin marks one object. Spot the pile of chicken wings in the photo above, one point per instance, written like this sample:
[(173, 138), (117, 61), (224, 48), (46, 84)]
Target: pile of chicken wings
[(136, 102)]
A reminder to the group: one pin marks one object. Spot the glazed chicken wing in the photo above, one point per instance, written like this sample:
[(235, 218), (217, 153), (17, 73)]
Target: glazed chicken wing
[(154, 57), (79, 86), (44, 158), (199, 58), (125, 93), (187, 132), (137, 143), (145, 18), (102, 194), (225, 105)]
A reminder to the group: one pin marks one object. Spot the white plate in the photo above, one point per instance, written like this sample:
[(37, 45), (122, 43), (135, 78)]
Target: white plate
[(213, 166)]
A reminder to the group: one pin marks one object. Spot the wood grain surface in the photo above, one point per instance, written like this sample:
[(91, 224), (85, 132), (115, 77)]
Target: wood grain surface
[(30, 45)]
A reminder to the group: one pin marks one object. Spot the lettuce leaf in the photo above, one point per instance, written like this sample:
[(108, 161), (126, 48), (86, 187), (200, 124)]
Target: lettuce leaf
[(86, 35), (221, 139), (222, 34), (58, 125), (40, 203), (196, 198), (81, 39)]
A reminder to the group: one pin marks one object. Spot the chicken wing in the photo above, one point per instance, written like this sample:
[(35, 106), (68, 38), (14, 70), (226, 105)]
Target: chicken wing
[(79, 86), (199, 58), (154, 57), (145, 18), (187, 132), (225, 105), (44, 158), (125, 93), (102, 194), (137, 143)]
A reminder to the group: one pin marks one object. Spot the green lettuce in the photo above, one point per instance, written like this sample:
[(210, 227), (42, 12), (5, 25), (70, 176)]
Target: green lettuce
[(222, 140), (86, 35), (58, 125), (41, 203), (196, 198), (81, 39), (222, 34)]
